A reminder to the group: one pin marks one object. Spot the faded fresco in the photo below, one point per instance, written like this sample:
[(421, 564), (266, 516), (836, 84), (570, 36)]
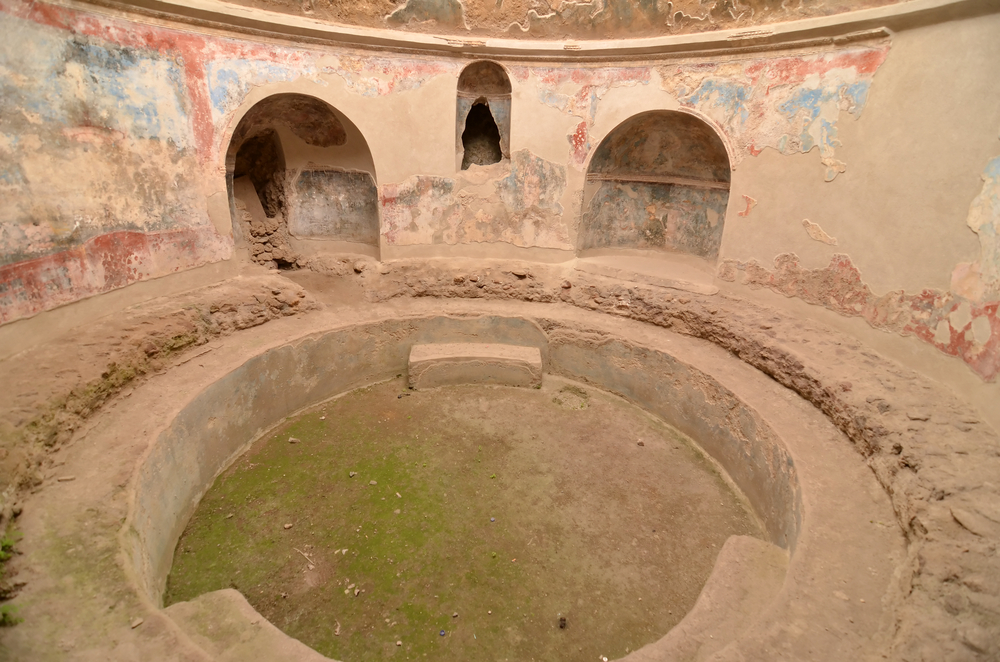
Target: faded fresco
[(99, 168), (655, 217), (333, 204), (663, 185), (791, 103), (577, 91), (564, 19), (962, 322), (516, 202)]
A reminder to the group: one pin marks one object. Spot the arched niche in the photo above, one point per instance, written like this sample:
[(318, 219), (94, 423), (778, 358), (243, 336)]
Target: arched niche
[(658, 182), (482, 129), (300, 174)]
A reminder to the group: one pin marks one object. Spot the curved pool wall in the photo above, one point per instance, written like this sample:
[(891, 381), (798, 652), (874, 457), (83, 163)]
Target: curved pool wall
[(220, 422)]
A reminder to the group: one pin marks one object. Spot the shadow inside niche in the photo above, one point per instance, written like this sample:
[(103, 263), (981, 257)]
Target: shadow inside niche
[(481, 138)]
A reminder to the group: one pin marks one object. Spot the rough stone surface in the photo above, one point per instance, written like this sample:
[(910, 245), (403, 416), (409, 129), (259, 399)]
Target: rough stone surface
[(92, 367), (938, 469), (956, 325)]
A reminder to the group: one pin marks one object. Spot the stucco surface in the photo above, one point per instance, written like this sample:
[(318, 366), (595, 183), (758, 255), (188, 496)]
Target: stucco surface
[(550, 19)]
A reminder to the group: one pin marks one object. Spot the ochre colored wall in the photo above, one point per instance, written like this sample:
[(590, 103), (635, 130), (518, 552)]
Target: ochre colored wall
[(865, 182)]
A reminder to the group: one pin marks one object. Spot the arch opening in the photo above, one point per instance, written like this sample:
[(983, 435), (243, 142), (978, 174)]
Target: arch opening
[(658, 182), (262, 160), (300, 172), (483, 115)]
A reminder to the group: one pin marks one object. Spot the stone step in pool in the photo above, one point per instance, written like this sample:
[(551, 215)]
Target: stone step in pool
[(450, 364)]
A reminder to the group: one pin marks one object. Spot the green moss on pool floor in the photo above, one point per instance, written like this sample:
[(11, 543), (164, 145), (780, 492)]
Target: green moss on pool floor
[(508, 507)]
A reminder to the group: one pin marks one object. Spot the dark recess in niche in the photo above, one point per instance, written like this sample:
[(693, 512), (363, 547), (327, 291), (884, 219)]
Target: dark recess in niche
[(481, 138), (262, 159), (483, 106)]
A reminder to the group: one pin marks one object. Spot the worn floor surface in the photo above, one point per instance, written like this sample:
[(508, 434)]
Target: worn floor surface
[(485, 513)]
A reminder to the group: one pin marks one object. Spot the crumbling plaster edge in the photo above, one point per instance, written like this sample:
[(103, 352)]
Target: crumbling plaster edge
[(23, 334)]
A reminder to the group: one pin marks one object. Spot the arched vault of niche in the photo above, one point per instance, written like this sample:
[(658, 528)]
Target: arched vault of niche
[(657, 182), (299, 170), (482, 128)]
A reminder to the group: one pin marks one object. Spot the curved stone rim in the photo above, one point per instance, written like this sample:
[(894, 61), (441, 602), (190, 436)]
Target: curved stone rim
[(569, 350)]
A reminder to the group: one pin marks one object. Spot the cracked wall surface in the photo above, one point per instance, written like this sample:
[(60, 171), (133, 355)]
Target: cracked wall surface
[(562, 19)]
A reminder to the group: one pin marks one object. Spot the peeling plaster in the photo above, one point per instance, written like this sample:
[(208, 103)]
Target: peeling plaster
[(816, 232), (101, 264), (577, 92), (516, 202), (751, 203), (955, 325), (791, 103), (983, 277)]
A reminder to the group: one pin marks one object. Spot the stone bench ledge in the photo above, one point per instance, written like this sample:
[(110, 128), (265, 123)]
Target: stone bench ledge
[(449, 364)]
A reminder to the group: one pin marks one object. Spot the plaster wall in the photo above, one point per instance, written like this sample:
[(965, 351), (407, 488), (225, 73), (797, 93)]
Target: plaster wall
[(113, 137)]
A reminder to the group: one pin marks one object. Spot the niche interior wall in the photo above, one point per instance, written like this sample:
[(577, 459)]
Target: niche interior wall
[(835, 162)]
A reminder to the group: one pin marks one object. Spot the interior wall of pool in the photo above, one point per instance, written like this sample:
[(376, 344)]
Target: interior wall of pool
[(220, 422)]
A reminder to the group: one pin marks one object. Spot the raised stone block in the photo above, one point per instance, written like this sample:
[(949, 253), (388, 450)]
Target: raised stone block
[(448, 364)]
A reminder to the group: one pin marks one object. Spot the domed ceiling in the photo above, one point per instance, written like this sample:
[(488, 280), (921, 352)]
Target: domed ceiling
[(562, 19)]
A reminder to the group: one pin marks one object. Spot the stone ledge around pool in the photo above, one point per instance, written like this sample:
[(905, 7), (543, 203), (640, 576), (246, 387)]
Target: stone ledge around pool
[(451, 364)]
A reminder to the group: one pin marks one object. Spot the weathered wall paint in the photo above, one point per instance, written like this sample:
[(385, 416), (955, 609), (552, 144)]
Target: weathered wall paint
[(517, 204), (100, 174), (791, 103), (664, 185), (962, 322), (817, 233), (141, 115), (668, 217), (101, 264), (185, 89), (981, 279), (333, 204), (957, 326), (444, 13), (375, 76), (577, 91)]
